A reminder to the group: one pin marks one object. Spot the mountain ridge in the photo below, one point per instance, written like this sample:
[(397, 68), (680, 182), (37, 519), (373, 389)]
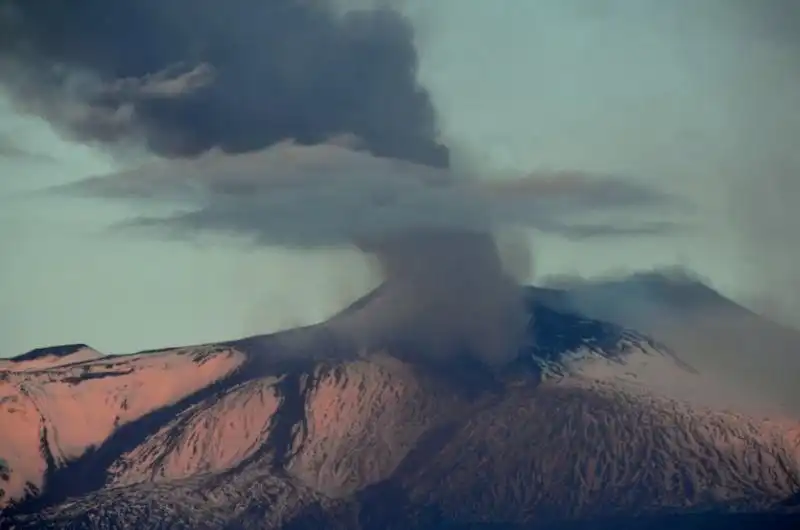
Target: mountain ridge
[(301, 428)]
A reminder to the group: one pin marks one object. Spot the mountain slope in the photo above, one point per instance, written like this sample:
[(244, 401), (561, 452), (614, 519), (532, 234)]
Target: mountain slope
[(302, 430), (51, 357), (54, 414), (711, 332)]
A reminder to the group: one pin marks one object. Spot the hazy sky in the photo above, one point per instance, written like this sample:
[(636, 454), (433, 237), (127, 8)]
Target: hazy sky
[(697, 96), (66, 278)]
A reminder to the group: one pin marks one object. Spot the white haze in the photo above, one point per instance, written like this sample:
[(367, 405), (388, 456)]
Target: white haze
[(699, 96)]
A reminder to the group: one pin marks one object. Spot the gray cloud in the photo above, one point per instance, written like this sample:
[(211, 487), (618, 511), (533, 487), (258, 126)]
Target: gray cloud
[(11, 149), (447, 288), (185, 76), (324, 195), (217, 93)]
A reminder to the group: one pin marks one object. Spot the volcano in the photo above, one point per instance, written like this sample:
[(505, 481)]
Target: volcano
[(595, 424)]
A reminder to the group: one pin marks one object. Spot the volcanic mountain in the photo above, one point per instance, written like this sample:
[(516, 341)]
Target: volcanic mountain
[(595, 423)]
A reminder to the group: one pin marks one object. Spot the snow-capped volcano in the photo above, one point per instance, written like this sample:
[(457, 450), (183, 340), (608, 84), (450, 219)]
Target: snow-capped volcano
[(319, 427)]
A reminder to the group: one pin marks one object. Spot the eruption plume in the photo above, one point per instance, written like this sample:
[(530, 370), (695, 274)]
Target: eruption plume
[(190, 75), (232, 97)]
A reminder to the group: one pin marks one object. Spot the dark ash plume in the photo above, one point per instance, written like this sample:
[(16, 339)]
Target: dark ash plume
[(449, 289), (191, 75), (233, 81), (446, 294)]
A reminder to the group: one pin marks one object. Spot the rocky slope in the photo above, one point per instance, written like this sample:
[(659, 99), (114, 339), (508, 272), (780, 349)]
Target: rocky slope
[(593, 422)]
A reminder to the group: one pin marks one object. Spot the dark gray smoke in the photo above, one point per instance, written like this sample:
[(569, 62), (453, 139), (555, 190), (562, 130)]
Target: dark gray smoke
[(196, 77), (449, 287), (189, 75)]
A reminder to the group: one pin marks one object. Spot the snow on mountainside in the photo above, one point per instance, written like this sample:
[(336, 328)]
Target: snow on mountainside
[(52, 413), (43, 358), (301, 430), (714, 334)]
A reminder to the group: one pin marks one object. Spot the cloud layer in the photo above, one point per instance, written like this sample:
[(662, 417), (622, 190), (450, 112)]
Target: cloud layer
[(327, 195)]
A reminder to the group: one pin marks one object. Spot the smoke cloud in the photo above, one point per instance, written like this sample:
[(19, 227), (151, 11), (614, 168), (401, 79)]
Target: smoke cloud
[(327, 195), (448, 287), (699, 96), (188, 78), (185, 76), (299, 124)]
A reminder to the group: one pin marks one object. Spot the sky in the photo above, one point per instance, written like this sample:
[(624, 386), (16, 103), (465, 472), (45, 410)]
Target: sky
[(695, 97), (66, 278)]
